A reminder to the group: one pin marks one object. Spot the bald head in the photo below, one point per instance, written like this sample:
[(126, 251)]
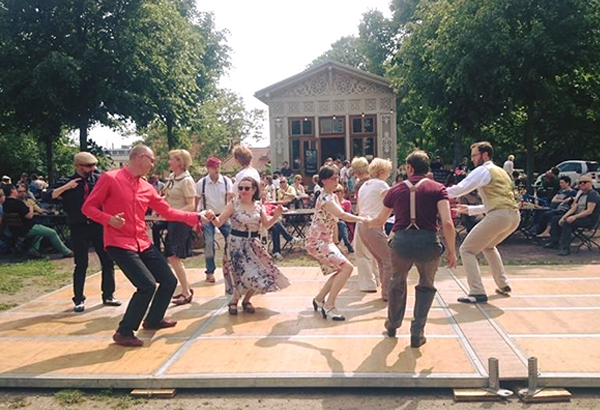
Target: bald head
[(139, 150)]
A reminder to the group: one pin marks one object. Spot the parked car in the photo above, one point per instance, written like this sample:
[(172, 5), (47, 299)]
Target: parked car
[(576, 168)]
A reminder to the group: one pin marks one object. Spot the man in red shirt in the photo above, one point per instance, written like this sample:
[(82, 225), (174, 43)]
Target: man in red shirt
[(119, 202), (417, 203)]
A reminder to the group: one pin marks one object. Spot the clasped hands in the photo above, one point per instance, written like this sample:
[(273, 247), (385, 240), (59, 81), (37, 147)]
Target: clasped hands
[(207, 215)]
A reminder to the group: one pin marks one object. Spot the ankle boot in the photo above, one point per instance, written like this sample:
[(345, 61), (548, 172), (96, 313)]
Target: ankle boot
[(423, 301)]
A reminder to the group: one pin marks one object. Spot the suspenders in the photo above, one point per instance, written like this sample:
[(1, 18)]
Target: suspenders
[(413, 202), (204, 187)]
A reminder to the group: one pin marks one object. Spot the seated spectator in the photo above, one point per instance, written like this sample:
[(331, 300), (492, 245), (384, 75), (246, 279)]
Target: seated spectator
[(301, 194), (277, 231), (25, 196), (269, 188), (561, 203), (519, 180), (30, 230), (5, 181), (287, 193), (343, 232), (550, 185), (286, 171), (583, 213)]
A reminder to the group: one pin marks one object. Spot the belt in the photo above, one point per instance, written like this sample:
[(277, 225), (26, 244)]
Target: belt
[(245, 234)]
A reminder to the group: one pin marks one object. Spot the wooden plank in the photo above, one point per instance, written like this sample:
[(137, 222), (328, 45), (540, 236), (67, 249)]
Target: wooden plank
[(548, 395), (154, 393), (474, 395)]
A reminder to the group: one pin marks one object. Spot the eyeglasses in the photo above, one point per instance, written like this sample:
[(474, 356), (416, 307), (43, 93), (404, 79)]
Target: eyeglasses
[(583, 182), (87, 165), (152, 159), (19, 191), (244, 188)]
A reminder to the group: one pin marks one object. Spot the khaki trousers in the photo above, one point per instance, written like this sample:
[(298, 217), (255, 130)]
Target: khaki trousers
[(492, 230), (376, 242), (368, 276)]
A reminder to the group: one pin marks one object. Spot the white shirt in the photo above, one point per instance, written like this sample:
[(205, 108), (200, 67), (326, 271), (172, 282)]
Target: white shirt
[(370, 201), (509, 167), (247, 172), (214, 193), (477, 178), (344, 174)]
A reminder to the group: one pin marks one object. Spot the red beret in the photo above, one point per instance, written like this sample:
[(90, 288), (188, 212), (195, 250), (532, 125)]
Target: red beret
[(213, 162)]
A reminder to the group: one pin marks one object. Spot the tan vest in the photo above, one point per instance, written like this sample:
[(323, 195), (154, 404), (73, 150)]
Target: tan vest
[(498, 194)]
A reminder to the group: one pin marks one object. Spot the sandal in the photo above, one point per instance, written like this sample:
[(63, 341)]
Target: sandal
[(183, 300), (233, 310), (248, 308)]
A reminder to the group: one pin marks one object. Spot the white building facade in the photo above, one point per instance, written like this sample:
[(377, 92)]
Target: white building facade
[(330, 110)]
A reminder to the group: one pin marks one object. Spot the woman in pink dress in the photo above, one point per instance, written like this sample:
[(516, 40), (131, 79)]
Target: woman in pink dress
[(247, 267), (320, 244)]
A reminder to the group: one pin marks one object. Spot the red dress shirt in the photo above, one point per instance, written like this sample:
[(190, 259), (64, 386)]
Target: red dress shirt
[(121, 192)]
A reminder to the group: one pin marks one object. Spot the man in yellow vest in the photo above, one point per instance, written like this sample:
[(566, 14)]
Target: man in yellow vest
[(502, 218)]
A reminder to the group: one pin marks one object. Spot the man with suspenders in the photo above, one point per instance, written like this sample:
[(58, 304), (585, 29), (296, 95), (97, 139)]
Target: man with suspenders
[(417, 204), (213, 192), (501, 219)]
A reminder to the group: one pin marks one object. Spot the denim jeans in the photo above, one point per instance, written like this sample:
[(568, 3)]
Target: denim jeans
[(209, 243), (344, 234), (39, 232), (276, 231)]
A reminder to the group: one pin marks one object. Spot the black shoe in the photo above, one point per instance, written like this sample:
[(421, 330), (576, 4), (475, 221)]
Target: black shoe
[(504, 291), (391, 331), (551, 245), (111, 302), (564, 252), (350, 249), (79, 307), (473, 299)]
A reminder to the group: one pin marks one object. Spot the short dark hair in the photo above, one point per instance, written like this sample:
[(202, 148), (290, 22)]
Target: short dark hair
[(419, 160), (567, 179), (484, 146), (555, 171), (255, 185), (326, 172), (7, 189)]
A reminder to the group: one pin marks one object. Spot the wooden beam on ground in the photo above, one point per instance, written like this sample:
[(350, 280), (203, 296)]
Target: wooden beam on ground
[(547, 395), (474, 395), (154, 393)]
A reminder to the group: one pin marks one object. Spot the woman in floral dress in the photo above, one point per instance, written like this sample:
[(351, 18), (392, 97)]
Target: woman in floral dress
[(320, 244), (247, 267)]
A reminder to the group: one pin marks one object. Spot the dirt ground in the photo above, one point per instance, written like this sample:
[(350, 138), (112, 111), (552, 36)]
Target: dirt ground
[(290, 399), (516, 251)]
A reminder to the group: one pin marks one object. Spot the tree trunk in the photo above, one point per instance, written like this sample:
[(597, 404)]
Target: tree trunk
[(49, 158), (171, 140), (83, 133), (529, 141), (458, 146)]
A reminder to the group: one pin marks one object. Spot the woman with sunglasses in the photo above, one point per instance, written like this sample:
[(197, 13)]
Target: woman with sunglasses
[(320, 244), (247, 267)]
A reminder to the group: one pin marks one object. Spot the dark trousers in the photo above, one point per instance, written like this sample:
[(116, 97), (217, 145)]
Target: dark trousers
[(81, 237), (411, 247), (276, 231), (144, 270), (563, 235), (344, 234), (541, 223)]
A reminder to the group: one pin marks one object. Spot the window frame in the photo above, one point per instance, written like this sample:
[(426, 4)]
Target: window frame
[(302, 120)]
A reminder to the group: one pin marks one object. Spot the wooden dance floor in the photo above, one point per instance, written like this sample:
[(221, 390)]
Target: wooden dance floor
[(552, 315)]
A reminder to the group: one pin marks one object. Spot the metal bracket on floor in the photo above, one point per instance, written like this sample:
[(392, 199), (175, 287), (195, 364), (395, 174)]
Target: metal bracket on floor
[(535, 394), (494, 380), (532, 379)]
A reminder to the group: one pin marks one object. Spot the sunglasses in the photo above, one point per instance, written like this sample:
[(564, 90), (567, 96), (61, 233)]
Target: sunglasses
[(583, 182), (244, 188), (87, 165)]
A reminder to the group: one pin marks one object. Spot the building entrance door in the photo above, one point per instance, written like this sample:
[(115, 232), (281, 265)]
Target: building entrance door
[(333, 147)]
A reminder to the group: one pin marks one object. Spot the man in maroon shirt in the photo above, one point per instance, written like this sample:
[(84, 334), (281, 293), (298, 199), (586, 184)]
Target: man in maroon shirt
[(119, 202), (417, 203)]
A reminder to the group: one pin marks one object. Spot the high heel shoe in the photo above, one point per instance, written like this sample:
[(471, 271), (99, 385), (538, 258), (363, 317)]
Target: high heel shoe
[(183, 300), (332, 314), (317, 306)]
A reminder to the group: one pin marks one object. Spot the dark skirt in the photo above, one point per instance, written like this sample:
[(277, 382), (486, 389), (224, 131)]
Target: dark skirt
[(180, 237)]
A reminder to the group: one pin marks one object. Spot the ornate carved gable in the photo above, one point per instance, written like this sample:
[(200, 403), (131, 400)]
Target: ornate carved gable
[(336, 84)]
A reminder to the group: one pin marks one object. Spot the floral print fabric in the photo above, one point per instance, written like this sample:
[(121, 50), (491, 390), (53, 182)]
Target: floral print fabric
[(319, 241), (246, 263)]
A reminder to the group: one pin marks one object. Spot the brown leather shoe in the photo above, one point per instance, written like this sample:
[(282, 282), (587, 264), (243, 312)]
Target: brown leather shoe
[(163, 324), (128, 341)]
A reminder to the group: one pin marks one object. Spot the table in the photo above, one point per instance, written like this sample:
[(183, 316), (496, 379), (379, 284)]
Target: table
[(58, 222), (296, 223)]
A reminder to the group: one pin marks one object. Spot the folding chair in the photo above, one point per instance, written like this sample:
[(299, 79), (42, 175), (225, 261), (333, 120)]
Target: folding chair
[(586, 236)]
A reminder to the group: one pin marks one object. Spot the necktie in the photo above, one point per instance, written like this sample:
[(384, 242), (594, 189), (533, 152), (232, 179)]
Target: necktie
[(86, 190)]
